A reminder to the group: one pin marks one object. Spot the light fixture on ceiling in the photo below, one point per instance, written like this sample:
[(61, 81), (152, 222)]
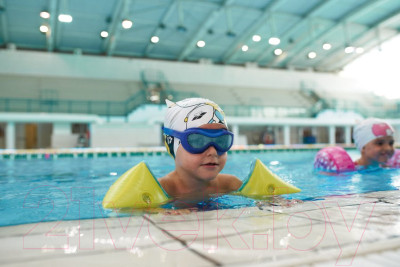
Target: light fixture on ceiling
[(245, 48), (274, 41), (359, 50), (181, 28), (201, 43), (44, 14), (312, 55), (326, 46), (104, 34), (65, 18), (256, 38), (155, 39), (349, 49), (278, 52), (127, 24), (230, 34), (44, 28)]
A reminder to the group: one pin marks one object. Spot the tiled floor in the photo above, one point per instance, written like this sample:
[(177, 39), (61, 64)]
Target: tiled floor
[(356, 230)]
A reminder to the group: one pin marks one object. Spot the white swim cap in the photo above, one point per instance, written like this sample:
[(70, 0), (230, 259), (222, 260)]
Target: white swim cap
[(370, 129), (190, 113)]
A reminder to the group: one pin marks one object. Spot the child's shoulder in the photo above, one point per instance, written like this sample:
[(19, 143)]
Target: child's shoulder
[(228, 182), (168, 183)]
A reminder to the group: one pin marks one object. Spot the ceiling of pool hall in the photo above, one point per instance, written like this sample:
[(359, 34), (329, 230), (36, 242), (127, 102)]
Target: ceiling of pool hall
[(227, 27)]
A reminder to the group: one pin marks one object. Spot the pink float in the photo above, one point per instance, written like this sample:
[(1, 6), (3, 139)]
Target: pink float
[(394, 161), (336, 159), (333, 159)]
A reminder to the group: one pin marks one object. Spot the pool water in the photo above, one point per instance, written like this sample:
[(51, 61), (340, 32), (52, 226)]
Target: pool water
[(38, 190)]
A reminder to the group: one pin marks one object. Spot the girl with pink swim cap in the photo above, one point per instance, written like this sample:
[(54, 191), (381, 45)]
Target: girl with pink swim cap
[(374, 139)]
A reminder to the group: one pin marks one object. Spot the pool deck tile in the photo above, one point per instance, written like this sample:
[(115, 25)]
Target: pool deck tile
[(356, 230)]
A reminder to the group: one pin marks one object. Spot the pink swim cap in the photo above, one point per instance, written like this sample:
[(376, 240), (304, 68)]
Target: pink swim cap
[(369, 130)]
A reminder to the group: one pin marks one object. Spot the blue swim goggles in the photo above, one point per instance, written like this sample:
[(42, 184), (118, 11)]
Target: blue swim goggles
[(197, 140)]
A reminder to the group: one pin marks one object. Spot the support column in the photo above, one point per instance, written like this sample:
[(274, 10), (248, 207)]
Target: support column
[(286, 135), (235, 131), (347, 135), (90, 134), (332, 135), (10, 135), (62, 136)]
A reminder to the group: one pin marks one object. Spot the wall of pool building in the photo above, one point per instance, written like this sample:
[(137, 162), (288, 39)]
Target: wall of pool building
[(89, 101)]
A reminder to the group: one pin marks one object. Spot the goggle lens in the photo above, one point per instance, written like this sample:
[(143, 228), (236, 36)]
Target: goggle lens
[(201, 141), (197, 140)]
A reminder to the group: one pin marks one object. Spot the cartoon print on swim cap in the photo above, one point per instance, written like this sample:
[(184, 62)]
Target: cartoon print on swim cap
[(381, 129), (204, 114)]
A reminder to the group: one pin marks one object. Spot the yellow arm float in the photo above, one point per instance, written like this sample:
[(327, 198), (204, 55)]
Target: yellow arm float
[(140, 189), (137, 188), (262, 182)]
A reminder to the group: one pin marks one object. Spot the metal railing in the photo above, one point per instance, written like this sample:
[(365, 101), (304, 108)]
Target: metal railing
[(124, 108)]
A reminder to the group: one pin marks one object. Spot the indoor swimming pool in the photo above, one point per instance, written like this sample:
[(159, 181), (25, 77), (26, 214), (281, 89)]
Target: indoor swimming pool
[(69, 188)]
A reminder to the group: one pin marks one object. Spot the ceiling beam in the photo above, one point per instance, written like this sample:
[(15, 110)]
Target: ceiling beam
[(332, 59), (300, 50), (114, 29), (3, 21), (51, 34), (167, 13), (235, 47), (305, 20), (202, 29)]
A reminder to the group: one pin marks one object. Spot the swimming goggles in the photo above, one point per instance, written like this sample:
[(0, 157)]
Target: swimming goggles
[(197, 140)]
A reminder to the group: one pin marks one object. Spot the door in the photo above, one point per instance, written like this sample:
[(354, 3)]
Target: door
[(30, 136)]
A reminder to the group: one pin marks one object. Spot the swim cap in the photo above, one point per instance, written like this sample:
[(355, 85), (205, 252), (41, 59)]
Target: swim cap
[(190, 113), (370, 129)]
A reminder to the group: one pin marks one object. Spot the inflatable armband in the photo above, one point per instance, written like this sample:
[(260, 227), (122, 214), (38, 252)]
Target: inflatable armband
[(394, 161), (262, 182), (333, 159), (140, 189), (135, 188)]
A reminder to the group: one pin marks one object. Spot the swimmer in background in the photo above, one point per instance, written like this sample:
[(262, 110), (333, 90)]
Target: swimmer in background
[(374, 139), (197, 137)]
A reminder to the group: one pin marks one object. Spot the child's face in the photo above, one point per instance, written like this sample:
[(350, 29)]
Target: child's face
[(379, 150), (202, 166)]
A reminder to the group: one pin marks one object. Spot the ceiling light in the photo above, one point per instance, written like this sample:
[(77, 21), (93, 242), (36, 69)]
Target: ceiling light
[(201, 43), (45, 14), (359, 50), (127, 24), (65, 18), (181, 28), (278, 52), (155, 39), (312, 55), (104, 34), (44, 28), (349, 49), (326, 46), (256, 38), (245, 48), (231, 34), (274, 41)]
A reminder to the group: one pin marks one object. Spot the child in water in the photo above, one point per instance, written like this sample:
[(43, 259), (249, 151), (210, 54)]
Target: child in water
[(374, 139), (197, 137)]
